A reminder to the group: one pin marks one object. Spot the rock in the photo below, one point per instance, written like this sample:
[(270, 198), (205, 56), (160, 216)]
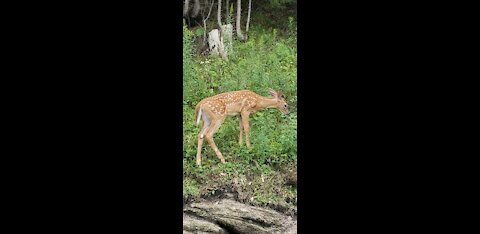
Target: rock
[(236, 217), (193, 225)]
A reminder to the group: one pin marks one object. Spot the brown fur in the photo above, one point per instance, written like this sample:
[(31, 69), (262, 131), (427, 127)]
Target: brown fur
[(243, 102)]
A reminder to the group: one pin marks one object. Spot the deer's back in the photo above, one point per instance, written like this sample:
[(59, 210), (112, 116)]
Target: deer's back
[(229, 102), (231, 97)]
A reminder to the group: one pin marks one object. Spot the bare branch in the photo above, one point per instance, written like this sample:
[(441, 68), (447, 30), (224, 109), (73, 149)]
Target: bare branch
[(209, 11), (205, 21)]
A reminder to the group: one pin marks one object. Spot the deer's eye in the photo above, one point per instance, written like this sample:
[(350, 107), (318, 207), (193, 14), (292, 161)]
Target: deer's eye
[(285, 105)]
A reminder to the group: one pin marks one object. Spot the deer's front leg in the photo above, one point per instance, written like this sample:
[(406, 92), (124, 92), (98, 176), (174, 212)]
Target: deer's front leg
[(246, 127), (240, 141)]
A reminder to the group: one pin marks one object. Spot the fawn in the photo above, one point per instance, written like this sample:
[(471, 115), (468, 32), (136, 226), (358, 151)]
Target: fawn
[(213, 111)]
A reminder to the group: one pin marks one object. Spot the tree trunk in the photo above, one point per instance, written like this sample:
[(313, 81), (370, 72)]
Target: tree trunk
[(196, 8), (239, 30), (227, 36), (219, 15), (248, 17), (185, 8), (227, 19)]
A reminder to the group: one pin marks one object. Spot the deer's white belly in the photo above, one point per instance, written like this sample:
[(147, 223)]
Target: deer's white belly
[(233, 109)]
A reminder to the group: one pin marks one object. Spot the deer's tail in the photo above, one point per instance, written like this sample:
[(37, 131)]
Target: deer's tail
[(198, 113)]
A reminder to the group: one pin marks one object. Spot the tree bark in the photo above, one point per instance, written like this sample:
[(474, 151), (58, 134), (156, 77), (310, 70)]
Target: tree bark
[(227, 19), (185, 8), (227, 37), (216, 45), (214, 42), (196, 8), (238, 29), (248, 17), (219, 15)]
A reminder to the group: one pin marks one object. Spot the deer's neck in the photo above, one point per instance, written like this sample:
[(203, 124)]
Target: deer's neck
[(264, 103)]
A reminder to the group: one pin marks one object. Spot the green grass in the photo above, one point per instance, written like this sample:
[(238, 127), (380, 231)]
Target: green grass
[(258, 175)]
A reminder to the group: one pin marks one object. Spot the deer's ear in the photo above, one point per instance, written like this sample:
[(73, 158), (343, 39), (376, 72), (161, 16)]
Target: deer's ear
[(279, 93), (272, 92)]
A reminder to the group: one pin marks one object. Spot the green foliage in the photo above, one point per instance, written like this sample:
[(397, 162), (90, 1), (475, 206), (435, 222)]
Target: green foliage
[(267, 60), (199, 32), (190, 187), (292, 31)]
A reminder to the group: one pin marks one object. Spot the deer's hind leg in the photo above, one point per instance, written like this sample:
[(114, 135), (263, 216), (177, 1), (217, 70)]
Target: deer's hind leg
[(240, 141), (205, 126), (215, 125)]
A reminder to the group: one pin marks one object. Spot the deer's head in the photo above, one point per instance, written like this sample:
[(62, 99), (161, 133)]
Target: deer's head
[(281, 104)]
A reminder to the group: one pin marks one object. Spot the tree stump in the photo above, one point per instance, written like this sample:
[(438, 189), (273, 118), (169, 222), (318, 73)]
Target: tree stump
[(215, 44)]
